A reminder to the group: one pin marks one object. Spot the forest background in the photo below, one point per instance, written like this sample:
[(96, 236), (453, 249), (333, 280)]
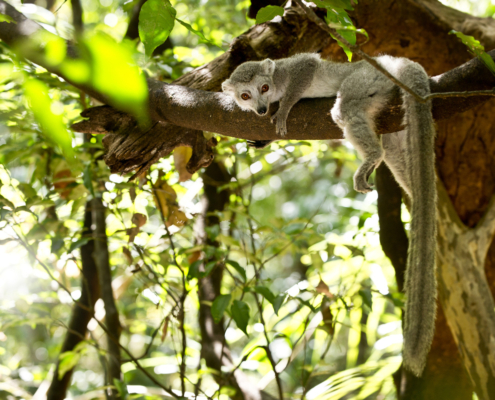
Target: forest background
[(260, 276)]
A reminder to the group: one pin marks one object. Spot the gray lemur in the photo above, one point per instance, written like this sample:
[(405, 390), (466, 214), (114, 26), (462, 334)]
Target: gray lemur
[(362, 92)]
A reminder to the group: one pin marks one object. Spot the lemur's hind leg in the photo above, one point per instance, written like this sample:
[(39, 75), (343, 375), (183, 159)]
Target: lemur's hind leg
[(360, 97)]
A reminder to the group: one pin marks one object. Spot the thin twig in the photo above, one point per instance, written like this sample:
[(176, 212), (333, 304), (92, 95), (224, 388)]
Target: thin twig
[(461, 94)]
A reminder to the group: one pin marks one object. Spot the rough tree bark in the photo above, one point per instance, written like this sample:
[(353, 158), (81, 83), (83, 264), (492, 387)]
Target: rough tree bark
[(464, 292), (80, 317)]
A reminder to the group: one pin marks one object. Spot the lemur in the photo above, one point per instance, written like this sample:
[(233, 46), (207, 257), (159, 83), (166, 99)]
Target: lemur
[(362, 92)]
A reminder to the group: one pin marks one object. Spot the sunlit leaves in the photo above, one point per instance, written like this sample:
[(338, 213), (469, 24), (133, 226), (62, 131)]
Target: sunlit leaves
[(115, 74), (69, 359), (52, 124), (7, 18), (195, 31), (219, 306), (240, 314), (238, 268), (102, 64), (156, 21), (476, 48), (268, 13)]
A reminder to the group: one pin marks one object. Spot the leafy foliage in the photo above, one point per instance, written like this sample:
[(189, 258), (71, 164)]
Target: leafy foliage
[(476, 49), (268, 13)]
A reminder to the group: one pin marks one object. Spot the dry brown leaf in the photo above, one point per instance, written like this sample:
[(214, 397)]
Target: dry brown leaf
[(132, 232), (194, 257), (182, 155), (324, 289), (61, 179), (139, 219), (127, 254), (176, 217), (166, 202), (165, 328), (132, 193), (327, 316)]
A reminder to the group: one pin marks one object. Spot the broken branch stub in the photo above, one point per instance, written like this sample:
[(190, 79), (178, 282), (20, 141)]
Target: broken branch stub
[(130, 147)]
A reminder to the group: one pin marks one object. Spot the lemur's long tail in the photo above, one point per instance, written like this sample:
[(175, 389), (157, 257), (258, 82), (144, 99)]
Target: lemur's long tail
[(420, 275)]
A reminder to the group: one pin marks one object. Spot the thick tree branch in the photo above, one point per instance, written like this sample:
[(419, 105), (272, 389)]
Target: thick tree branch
[(198, 110)]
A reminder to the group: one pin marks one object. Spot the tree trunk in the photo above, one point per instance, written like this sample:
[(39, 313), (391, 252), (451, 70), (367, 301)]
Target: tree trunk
[(112, 322), (80, 317)]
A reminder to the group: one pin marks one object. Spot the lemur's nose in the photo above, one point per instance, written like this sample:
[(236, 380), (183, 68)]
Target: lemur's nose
[(262, 111)]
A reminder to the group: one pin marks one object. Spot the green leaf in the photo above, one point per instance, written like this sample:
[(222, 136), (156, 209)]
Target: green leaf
[(265, 292), (51, 124), (240, 313), (238, 268), (156, 21), (121, 388), (57, 244), (268, 13), (7, 18), (194, 270), (219, 306), (208, 268), (67, 361), (81, 242), (278, 302), (476, 48), (115, 74), (367, 297), (196, 32)]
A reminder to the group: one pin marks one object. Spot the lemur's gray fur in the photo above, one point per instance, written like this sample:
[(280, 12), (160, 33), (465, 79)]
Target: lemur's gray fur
[(362, 92)]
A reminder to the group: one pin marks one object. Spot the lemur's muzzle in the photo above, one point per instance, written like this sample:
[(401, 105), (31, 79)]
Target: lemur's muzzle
[(261, 110)]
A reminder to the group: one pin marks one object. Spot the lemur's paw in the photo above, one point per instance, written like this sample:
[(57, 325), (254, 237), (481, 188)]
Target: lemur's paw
[(361, 185), (363, 188), (282, 131), (281, 128), (258, 144)]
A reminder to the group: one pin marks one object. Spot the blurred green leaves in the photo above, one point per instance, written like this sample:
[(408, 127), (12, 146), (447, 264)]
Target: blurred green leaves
[(156, 21), (114, 73), (268, 13), (476, 49), (219, 306), (240, 314), (7, 18), (50, 119), (102, 65)]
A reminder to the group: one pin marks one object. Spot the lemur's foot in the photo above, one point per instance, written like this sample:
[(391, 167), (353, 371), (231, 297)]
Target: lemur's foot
[(280, 123), (259, 144), (361, 179)]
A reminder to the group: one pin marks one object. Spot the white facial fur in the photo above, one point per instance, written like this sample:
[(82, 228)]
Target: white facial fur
[(258, 99)]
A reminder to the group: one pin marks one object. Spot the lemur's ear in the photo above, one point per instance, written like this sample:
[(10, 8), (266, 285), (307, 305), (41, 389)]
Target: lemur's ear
[(227, 86), (268, 66)]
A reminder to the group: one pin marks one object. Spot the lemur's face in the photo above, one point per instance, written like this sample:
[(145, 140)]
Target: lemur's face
[(252, 94)]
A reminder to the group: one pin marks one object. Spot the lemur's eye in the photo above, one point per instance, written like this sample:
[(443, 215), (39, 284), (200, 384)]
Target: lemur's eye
[(245, 96), (264, 88)]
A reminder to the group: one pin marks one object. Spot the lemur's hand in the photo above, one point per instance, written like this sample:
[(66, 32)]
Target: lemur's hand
[(281, 122)]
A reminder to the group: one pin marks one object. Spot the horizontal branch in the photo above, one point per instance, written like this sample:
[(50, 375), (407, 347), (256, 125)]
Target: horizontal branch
[(180, 113)]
